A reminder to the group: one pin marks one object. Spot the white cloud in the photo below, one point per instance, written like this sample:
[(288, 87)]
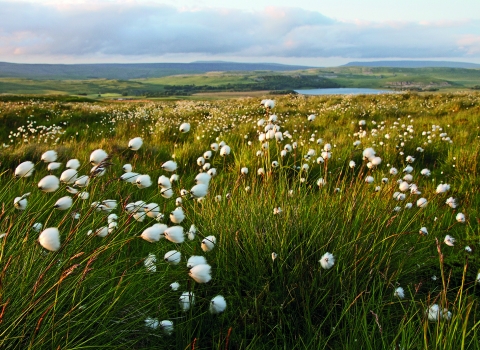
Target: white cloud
[(75, 31)]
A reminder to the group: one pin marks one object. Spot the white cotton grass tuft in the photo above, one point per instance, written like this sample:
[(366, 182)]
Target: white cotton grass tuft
[(433, 313), (192, 232), (100, 232), (152, 210), (208, 243), (368, 153), (129, 177), (393, 171), (449, 240), (207, 155), (423, 231), (21, 203), (49, 183), (69, 176), (37, 227), (98, 156), (203, 178), (184, 128), (174, 286), (451, 202), (225, 151), (154, 233), (82, 181), (112, 217), (53, 166), (195, 260), (408, 169), (150, 263), (425, 172), (175, 234), (173, 257), (369, 179), (166, 326), (151, 323), (460, 218), (143, 181), (63, 203), (186, 300), (49, 156), (269, 103), (442, 188), (217, 305), (24, 169), (274, 256), (127, 168), (399, 293), (422, 203), (169, 166), (199, 191), (135, 143), (164, 182), (50, 239), (201, 273), (327, 261), (73, 164), (110, 203)]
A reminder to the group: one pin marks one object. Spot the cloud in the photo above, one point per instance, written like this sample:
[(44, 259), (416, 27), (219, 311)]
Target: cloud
[(132, 29)]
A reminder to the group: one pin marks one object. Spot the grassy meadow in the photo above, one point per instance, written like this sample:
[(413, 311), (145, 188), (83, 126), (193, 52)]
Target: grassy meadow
[(386, 184)]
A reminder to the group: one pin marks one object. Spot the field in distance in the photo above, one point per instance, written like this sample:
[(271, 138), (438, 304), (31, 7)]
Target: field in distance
[(238, 82)]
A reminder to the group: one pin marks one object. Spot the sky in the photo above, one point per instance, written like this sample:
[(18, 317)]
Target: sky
[(307, 32)]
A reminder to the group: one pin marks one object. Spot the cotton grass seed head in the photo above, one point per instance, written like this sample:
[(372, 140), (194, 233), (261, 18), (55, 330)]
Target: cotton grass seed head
[(49, 183), (422, 203), (175, 234), (186, 300), (217, 305), (399, 293), (49, 156), (63, 203), (208, 243), (69, 176), (195, 260), (449, 240), (327, 261), (184, 128), (201, 273), (166, 326), (173, 257), (24, 169), (98, 156), (135, 143), (50, 239)]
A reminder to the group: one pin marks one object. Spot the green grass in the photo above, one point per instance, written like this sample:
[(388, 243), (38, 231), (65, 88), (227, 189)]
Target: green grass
[(96, 292)]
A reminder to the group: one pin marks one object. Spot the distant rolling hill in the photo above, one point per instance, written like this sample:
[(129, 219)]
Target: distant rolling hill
[(413, 64), (125, 71)]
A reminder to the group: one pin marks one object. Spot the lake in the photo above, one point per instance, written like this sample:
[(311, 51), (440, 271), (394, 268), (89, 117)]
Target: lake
[(344, 91)]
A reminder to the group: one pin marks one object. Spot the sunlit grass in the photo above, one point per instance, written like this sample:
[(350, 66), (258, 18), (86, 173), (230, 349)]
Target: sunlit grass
[(97, 292)]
